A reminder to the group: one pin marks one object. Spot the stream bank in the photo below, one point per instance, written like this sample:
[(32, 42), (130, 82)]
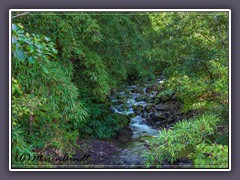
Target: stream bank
[(149, 112)]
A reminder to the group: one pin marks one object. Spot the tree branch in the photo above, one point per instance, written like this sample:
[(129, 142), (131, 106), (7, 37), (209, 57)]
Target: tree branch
[(22, 14)]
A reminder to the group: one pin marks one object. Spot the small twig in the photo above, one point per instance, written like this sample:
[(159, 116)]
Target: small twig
[(206, 37), (22, 14)]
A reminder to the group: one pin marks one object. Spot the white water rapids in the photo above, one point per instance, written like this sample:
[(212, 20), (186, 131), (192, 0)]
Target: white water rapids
[(138, 124)]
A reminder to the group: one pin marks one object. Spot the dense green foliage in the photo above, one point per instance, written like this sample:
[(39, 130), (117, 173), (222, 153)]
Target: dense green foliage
[(65, 66), (193, 49), (193, 135)]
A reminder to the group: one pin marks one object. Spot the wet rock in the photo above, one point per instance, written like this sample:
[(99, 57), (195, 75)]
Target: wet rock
[(157, 119), (160, 107), (113, 91), (141, 98), (132, 115), (121, 101), (150, 99), (157, 115), (145, 114), (152, 88), (166, 113), (139, 91), (112, 109), (172, 106), (120, 96), (174, 98), (101, 154), (169, 106), (158, 123), (178, 118), (147, 145), (138, 112), (125, 134), (148, 107), (138, 109), (162, 98), (170, 120)]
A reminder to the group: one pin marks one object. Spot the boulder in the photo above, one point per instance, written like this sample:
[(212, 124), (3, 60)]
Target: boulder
[(169, 106), (157, 119), (124, 134), (160, 107), (157, 116)]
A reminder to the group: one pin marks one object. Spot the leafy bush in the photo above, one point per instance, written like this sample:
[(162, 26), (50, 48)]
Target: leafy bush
[(184, 136), (210, 156), (36, 69), (41, 89), (103, 124)]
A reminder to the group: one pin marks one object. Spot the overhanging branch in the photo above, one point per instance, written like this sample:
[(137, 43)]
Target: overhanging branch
[(22, 14)]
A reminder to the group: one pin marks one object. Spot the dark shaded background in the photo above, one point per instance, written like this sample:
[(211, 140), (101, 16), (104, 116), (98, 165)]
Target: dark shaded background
[(5, 5)]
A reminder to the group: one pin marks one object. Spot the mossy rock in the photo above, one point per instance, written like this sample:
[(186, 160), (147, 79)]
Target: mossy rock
[(148, 107)]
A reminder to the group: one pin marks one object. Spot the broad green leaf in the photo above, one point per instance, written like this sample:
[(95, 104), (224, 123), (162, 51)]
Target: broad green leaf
[(15, 27), (13, 90), (31, 49), (19, 90), (45, 69), (20, 31), (40, 46), (14, 41), (54, 50), (20, 25), (45, 58), (47, 38), (19, 54), (31, 60)]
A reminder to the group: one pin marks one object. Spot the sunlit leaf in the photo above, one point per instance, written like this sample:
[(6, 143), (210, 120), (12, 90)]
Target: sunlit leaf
[(14, 27), (45, 69)]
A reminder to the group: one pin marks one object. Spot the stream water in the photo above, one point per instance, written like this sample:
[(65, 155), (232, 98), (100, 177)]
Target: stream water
[(131, 152)]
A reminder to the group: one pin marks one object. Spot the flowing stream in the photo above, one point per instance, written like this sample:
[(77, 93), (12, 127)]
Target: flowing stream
[(131, 152), (138, 124)]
